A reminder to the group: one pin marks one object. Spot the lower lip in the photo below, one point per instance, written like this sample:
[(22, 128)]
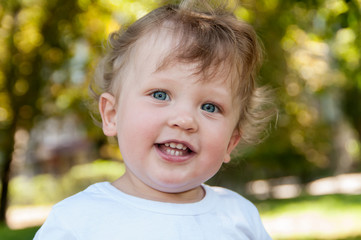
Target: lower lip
[(173, 158)]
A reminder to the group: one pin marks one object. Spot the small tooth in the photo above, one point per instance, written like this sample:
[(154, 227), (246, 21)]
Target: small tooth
[(184, 148), (172, 145), (172, 152), (179, 146), (166, 144), (177, 153)]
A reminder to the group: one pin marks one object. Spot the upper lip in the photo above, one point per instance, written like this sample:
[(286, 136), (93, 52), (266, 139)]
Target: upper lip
[(188, 145)]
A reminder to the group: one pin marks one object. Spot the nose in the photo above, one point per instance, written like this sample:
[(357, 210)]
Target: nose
[(184, 121)]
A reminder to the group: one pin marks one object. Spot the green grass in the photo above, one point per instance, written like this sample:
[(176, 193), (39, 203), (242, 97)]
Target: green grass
[(324, 217), (22, 234), (332, 205)]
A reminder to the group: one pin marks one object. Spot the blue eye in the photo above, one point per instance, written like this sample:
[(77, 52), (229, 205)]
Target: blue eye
[(208, 107), (160, 95)]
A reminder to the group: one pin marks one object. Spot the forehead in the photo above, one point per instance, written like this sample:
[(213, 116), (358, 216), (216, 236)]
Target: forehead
[(161, 50), (153, 48)]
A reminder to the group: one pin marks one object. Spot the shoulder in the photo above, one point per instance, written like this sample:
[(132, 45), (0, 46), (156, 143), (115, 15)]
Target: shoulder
[(95, 201), (237, 210), (73, 217), (90, 196), (229, 197), (69, 219)]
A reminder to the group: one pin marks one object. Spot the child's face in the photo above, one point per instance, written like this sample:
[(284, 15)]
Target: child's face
[(174, 130)]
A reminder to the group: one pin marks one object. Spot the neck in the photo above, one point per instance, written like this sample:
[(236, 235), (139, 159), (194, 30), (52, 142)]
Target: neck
[(139, 189)]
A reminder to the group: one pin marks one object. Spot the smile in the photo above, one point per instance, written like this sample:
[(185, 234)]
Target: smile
[(174, 149)]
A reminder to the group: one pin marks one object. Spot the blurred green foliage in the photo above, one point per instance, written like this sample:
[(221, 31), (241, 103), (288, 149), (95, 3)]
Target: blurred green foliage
[(45, 189)]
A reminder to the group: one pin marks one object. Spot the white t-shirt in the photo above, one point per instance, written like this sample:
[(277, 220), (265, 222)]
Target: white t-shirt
[(103, 212)]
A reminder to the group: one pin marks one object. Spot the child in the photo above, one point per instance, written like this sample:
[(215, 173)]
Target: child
[(178, 92)]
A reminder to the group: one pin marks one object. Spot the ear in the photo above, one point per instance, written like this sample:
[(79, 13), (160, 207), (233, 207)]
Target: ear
[(107, 109), (233, 142)]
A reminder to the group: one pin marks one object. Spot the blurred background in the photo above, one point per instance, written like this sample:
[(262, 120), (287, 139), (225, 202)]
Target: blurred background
[(305, 178)]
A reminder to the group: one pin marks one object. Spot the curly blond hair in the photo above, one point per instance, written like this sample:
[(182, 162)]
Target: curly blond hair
[(210, 36)]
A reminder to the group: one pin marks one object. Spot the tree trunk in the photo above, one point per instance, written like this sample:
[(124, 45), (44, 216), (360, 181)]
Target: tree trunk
[(8, 139), (5, 170)]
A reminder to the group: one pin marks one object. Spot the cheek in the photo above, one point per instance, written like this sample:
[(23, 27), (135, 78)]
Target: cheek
[(137, 124), (217, 137), (215, 151), (217, 142)]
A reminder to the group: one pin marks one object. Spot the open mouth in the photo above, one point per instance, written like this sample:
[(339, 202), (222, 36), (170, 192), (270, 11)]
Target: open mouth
[(174, 149)]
